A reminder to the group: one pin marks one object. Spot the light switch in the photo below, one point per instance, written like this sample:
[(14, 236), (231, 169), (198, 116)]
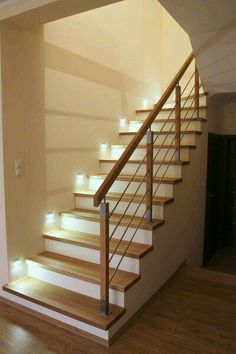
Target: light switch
[(18, 168)]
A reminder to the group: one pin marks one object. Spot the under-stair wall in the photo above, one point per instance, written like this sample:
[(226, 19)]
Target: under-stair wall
[(181, 237)]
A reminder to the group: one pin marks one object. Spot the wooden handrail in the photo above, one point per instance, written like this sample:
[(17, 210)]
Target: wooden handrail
[(114, 173)]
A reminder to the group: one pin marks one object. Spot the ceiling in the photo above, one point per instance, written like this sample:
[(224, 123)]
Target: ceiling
[(54, 10), (211, 25), (10, 8)]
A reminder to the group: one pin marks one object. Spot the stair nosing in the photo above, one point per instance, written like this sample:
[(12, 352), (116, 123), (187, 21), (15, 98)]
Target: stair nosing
[(156, 146), (172, 132), (83, 277), (166, 180), (148, 110), (165, 162), (170, 120), (86, 245), (117, 196), (150, 227)]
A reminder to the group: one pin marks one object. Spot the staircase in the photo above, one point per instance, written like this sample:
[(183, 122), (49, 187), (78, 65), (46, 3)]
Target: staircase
[(94, 273)]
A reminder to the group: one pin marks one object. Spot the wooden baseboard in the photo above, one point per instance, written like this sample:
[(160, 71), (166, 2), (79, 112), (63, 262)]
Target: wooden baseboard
[(55, 322)]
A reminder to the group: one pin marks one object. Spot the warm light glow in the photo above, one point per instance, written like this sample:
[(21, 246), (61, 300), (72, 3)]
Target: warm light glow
[(122, 122), (94, 183), (103, 146), (16, 263), (50, 216), (145, 103), (80, 178)]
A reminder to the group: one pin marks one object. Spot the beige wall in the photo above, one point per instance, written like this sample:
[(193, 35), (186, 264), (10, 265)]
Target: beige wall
[(63, 96), (3, 235), (99, 66), (23, 138), (222, 114), (176, 47)]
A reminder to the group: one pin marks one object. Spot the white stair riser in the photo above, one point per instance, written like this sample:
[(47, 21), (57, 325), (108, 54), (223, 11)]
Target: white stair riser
[(87, 203), (165, 190), (186, 102), (130, 169), (77, 285), (165, 115), (159, 153), (45, 311), (93, 227), (91, 255), (187, 139), (157, 126)]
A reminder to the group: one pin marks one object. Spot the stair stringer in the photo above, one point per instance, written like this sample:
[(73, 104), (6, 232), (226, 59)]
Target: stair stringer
[(179, 239)]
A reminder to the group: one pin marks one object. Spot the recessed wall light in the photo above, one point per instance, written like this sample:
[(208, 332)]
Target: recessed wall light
[(16, 263), (50, 216), (80, 178), (122, 122), (145, 103), (103, 145)]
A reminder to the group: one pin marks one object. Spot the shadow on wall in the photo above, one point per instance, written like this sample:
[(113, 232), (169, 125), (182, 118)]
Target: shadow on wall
[(84, 101)]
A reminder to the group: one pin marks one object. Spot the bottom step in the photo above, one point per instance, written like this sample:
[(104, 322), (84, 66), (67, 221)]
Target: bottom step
[(66, 302)]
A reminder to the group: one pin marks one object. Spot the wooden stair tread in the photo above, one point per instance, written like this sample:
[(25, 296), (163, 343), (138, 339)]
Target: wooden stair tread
[(157, 162), (66, 302), (94, 215), (135, 250), (157, 146), (172, 132), (149, 110), (126, 198), (164, 180), (202, 94), (170, 120), (83, 270)]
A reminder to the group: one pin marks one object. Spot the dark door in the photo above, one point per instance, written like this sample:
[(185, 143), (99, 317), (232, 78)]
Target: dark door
[(231, 195), (211, 224)]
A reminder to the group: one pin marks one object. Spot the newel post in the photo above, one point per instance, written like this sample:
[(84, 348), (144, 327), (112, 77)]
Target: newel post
[(196, 93), (104, 258), (177, 121), (149, 176)]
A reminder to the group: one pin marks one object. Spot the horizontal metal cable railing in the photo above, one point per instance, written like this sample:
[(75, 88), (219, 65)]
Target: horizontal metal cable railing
[(131, 220)]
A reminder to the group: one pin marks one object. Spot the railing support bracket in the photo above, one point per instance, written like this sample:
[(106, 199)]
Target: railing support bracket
[(149, 176), (104, 259)]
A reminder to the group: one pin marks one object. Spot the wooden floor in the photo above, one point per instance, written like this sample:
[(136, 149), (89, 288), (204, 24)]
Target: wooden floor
[(224, 261), (194, 313)]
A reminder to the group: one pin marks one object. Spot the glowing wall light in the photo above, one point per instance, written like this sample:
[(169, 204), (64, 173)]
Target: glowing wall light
[(80, 178), (16, 264), (145, 103), (103, 147), (122, 122), (50, 216)]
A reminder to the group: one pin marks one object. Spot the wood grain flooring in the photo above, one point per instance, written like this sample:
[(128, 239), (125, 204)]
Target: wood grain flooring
[(194, 313), (224, 261)]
